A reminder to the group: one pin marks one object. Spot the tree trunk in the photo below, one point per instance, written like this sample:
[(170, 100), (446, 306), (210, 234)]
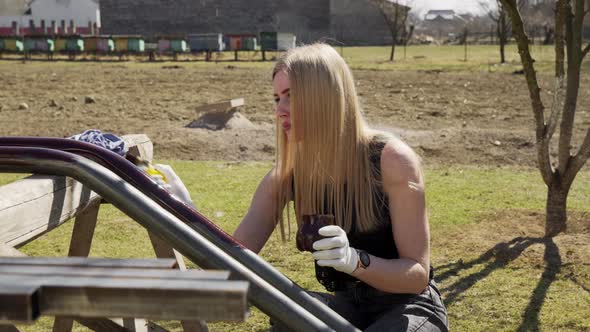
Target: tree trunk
[(556, 211), (502, 55), (392, 51)]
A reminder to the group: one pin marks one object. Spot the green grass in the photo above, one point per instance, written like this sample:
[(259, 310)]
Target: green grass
[(458, 195), (414, 57), (446, 58), (457, 198)]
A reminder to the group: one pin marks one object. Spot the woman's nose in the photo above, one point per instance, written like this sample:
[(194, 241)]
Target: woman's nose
[(282, 108)]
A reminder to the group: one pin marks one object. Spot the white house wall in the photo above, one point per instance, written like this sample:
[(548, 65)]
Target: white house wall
[(83, 15), (80, 11)]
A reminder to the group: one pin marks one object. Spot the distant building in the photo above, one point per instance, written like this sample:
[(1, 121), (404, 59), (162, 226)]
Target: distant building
[(49, 17), (433, 15), (351, 22), (443, 24), (13, 14)]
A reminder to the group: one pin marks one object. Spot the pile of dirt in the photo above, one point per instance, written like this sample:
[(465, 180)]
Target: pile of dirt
[(232, 119)]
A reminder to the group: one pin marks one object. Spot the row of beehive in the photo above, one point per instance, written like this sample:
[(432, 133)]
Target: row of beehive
[(269, 41), (47, 44)]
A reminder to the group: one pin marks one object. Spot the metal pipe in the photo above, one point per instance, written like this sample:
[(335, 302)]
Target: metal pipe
[(194, 219), (150, 215)]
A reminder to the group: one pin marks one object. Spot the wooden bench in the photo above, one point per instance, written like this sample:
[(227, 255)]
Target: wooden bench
[(94, 288), (38, 204)]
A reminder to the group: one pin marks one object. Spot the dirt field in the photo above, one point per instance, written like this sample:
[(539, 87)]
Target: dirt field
[(448, 117)]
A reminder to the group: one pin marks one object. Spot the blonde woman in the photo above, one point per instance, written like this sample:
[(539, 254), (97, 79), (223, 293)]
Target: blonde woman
[(376, 258)]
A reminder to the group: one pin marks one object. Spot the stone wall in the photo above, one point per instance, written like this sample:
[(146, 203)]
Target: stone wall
[(353, 22), (358, 22)]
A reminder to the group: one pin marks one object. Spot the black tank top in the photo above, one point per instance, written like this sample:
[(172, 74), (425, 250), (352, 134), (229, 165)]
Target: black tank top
[(378, 242)]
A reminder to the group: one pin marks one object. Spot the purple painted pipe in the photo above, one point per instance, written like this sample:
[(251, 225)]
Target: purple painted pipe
[(152, 216), (128, 171), (133, 175)]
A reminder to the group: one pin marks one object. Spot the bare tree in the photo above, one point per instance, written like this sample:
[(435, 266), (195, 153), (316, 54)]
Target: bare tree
[(396, 16), (502, 22), (558, 172)]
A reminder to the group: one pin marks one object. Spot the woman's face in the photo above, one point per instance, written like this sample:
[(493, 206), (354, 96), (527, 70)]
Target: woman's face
[(282, 92)]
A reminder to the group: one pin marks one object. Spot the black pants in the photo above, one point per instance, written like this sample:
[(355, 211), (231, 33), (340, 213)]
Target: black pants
[(370, 309)]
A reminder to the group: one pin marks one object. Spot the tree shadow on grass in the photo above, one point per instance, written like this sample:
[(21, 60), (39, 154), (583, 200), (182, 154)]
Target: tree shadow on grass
[(499, 257)]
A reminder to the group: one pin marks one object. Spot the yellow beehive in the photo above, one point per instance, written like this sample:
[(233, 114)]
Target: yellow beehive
[(121, 44), (60, 45)]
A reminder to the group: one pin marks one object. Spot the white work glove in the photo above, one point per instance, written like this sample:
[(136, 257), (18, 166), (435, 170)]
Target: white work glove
[(334, 250), (172, 183)]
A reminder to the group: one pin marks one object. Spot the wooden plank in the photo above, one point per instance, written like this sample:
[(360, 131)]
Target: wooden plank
[(164, 250), (135, 324), (19, 303), (63, 324), (153, 327), (211, 300), (8, 328), (221, 106), (6, 250), (33, 206), (95, 324), (100, 324), (131, 263), (80, 244), (140, 146), (106, 272), (83, 232), (194, 326)]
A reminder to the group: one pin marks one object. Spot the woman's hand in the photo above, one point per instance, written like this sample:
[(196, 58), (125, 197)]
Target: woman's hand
[(334, 250), (172, 183)]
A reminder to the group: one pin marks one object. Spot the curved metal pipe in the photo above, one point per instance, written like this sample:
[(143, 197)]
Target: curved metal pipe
[(193, 218), (151, 215)]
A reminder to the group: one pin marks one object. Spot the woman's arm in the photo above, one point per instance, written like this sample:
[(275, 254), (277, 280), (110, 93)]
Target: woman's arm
[(403, 183), (260, 221)]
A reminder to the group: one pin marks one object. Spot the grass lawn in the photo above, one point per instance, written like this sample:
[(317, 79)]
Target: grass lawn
[(413, 57), (495, 270)]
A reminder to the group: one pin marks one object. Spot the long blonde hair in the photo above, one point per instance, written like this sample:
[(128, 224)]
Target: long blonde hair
[(324, 167)]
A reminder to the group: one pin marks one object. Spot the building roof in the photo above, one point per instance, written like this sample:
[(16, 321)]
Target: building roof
[(14, 7), (65, 3), (446, 14)]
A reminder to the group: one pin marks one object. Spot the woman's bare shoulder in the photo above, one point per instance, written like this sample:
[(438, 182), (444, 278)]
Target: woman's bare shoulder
[(399, 162)]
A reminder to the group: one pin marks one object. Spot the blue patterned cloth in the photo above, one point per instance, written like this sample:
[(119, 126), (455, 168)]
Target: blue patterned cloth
[(108, 141)]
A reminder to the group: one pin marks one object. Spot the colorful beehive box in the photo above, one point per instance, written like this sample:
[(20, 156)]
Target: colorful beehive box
[(164, 46), (136, 44), (121, 43), (39, 44), (106, 45), (43, 44), (178, 46), (249, 43), (268, 41), (241, 42), (98, 44), (75, 44), (30, 45), (277, 41), (60, 45), (91, 44), (206, 42), (285, 41), (13, 45), (234, 42)]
